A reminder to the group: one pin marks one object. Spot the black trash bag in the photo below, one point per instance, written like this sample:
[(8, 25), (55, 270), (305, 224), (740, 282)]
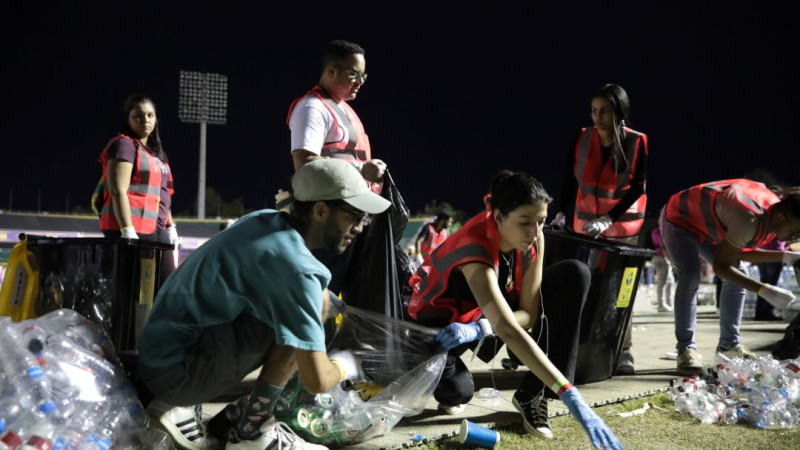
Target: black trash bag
[(366, 275)]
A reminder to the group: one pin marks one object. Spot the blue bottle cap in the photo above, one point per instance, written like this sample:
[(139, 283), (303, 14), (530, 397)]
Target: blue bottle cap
[(47, 407)]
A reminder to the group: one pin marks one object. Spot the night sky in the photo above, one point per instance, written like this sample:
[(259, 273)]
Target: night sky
[(453, 95)]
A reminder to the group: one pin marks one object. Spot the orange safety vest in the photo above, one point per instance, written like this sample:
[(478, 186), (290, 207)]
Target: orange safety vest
[(144, 191), (601, 187), (693, 209), (433, 240), (356, 149), (477, 241)]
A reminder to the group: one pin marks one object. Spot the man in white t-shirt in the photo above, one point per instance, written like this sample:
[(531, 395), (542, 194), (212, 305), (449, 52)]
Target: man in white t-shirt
[(323, 124)]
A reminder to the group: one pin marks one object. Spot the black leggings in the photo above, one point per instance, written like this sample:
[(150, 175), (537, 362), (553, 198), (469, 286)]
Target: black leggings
[(565, 285)]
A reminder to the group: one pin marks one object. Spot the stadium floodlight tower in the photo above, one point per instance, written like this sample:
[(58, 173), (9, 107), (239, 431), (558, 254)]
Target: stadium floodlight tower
[(204, 100)]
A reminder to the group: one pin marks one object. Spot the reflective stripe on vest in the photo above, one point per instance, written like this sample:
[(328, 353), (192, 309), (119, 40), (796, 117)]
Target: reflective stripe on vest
[(356, 150), (144, 191), (694, 209), (477, 241), (600, 187)]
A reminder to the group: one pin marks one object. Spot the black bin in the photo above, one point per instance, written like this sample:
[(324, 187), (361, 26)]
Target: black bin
[(112, 282), (616, 270)]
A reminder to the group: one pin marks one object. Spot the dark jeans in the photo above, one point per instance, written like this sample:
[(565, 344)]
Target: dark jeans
[(564, 288)]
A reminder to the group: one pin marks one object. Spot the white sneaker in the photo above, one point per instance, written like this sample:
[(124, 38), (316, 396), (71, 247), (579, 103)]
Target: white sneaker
[(452, 409), (183, 424), (275, 436)]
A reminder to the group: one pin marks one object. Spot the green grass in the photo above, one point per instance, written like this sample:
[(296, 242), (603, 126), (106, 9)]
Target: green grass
[(660, 427)]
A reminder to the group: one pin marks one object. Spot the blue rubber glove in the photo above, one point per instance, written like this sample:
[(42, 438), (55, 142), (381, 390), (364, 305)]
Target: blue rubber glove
[(456, 334), (599, 433)]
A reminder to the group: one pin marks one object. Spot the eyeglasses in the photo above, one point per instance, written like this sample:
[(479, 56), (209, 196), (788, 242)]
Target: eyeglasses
[(354, 75), (357, 216)]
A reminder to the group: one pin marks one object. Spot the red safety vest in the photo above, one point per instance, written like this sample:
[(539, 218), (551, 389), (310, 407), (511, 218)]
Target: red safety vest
[(356, 149), (477, 241), (433, 240), (601, 187), (693, 209), (144, 191)]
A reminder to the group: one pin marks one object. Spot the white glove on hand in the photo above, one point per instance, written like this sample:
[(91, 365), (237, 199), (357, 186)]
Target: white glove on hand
[(128, 233), (559, 220), (349, 363), (776, 296), (172, 232), (282, 200), (596, 227), (790, 257)]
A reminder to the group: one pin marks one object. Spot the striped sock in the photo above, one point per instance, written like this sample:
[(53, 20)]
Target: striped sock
[(258, 410)]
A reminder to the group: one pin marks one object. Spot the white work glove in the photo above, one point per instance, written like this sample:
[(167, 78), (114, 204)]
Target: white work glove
[(373, 170), (776, 296), (348, 363), (172, 232), (559, 220), (283, 199), (790, 257), (128, 233), (596, 227)]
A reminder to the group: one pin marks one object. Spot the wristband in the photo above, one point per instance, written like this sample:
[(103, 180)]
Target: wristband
[(561, 386), (342, 375), (485, 327)]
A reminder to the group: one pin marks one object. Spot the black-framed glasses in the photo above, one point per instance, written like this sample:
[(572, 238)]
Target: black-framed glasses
[(357, 215), (354, 75)]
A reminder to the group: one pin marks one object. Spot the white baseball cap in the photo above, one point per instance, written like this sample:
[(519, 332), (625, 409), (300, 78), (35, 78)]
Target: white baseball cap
[(335, 179)]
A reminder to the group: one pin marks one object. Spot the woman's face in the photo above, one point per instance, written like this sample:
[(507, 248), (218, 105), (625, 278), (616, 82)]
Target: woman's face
[(142, 119), (602, 114), (522, 226), (786, 227)]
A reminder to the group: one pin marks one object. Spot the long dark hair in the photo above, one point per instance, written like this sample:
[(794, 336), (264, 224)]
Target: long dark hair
[(621, 107), (790, 201), (510, 190), (154, 140)]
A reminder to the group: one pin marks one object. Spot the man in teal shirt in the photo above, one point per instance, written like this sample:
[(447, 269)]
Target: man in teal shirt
[(254, 296)]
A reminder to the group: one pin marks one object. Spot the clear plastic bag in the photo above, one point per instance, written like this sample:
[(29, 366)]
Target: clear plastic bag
[(402, 364)]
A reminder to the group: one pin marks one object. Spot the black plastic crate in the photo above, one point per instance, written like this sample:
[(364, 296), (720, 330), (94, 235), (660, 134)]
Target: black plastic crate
[(112, 282), (616, 270)]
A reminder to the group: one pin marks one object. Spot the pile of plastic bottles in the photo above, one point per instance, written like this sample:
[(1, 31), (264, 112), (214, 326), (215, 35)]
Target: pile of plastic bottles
[(61, 387), (762, 392)]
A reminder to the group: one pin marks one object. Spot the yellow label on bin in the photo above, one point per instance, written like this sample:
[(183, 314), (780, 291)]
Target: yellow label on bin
[(626, 287), (147, 281)]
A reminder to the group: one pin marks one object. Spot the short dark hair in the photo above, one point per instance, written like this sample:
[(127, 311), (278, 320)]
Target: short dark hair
[(337, 52), (510, 190)]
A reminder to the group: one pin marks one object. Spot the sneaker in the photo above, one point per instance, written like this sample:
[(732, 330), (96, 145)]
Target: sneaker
[(664, 308), (452, 409), (689, 363), (625, 364), (273, 435), (737, 351), (183, 424), (534, 416)]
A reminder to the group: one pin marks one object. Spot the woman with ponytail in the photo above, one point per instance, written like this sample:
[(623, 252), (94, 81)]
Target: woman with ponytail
[(486, 286), (605, 180)]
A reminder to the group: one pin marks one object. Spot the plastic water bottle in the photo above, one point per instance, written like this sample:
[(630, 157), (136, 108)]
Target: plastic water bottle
[(730, 415), (23, 370), (754, 415)]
